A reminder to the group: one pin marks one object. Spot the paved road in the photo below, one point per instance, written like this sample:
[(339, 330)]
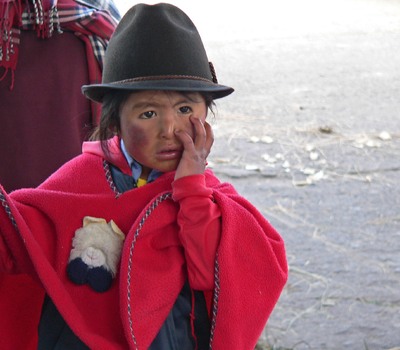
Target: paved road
[(312, 138)]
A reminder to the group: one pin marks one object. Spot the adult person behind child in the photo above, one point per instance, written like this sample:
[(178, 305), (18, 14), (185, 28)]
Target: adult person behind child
[(200, 267), (48, 49)]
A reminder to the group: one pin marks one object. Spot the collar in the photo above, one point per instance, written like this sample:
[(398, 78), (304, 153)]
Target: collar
[(136, 167)]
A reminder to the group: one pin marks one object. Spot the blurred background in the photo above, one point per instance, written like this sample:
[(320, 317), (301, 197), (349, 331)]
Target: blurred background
[(285, 51), (311, 136)]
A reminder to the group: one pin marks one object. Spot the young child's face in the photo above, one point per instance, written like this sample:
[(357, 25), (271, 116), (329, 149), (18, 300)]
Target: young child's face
[(149, 120)]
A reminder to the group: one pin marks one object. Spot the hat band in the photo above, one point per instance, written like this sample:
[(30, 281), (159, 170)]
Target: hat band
[(160, 77)]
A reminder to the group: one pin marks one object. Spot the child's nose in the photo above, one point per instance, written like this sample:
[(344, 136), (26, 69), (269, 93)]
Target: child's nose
[(167, 125)]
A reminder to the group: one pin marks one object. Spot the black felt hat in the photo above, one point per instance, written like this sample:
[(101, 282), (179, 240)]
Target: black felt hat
[(156, 47)]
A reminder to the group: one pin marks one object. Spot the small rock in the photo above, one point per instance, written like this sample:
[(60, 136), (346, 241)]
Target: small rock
[(268, 158), (373, 144), (267, 139), (385, 136), (325, 129), (310, 147), (254, 139), (308, 171), (252, 167), (314, 155)]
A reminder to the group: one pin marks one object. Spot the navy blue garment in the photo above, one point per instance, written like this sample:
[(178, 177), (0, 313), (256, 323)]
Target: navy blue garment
[(175, 333), (54, 333)]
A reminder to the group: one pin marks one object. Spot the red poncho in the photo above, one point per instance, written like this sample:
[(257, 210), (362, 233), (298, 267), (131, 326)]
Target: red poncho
[(37, 226)]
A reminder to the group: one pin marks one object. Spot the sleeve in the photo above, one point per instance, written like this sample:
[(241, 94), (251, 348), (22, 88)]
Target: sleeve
[(199, 220)]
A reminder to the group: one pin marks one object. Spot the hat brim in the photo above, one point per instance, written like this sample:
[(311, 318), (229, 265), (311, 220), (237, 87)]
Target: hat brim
[(96, 92)]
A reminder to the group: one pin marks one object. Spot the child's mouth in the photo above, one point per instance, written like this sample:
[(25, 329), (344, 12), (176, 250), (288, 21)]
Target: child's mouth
[(169, 154)]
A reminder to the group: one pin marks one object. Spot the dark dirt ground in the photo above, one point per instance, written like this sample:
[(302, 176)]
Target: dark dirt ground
[(312, 138)]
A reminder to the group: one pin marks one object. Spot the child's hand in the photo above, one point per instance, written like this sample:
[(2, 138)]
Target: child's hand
[(196, 149)]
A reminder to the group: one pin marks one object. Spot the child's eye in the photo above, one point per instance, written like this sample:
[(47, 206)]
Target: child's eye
[(185, 109), (147, 115)]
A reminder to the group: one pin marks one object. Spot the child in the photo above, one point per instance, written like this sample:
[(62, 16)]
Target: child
[(200, 267)]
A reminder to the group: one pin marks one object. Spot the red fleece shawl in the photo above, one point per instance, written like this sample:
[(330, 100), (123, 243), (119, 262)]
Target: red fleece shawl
[(37, 226)]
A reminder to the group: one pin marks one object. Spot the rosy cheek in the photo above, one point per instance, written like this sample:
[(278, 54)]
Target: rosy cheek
[(135, 138)]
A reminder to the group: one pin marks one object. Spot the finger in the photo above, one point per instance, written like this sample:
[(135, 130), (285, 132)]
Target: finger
[(200, 135), (209, 136), (185, 139)]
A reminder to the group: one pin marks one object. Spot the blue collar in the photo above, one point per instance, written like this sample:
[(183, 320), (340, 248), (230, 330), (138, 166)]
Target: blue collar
[(136, 167)]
